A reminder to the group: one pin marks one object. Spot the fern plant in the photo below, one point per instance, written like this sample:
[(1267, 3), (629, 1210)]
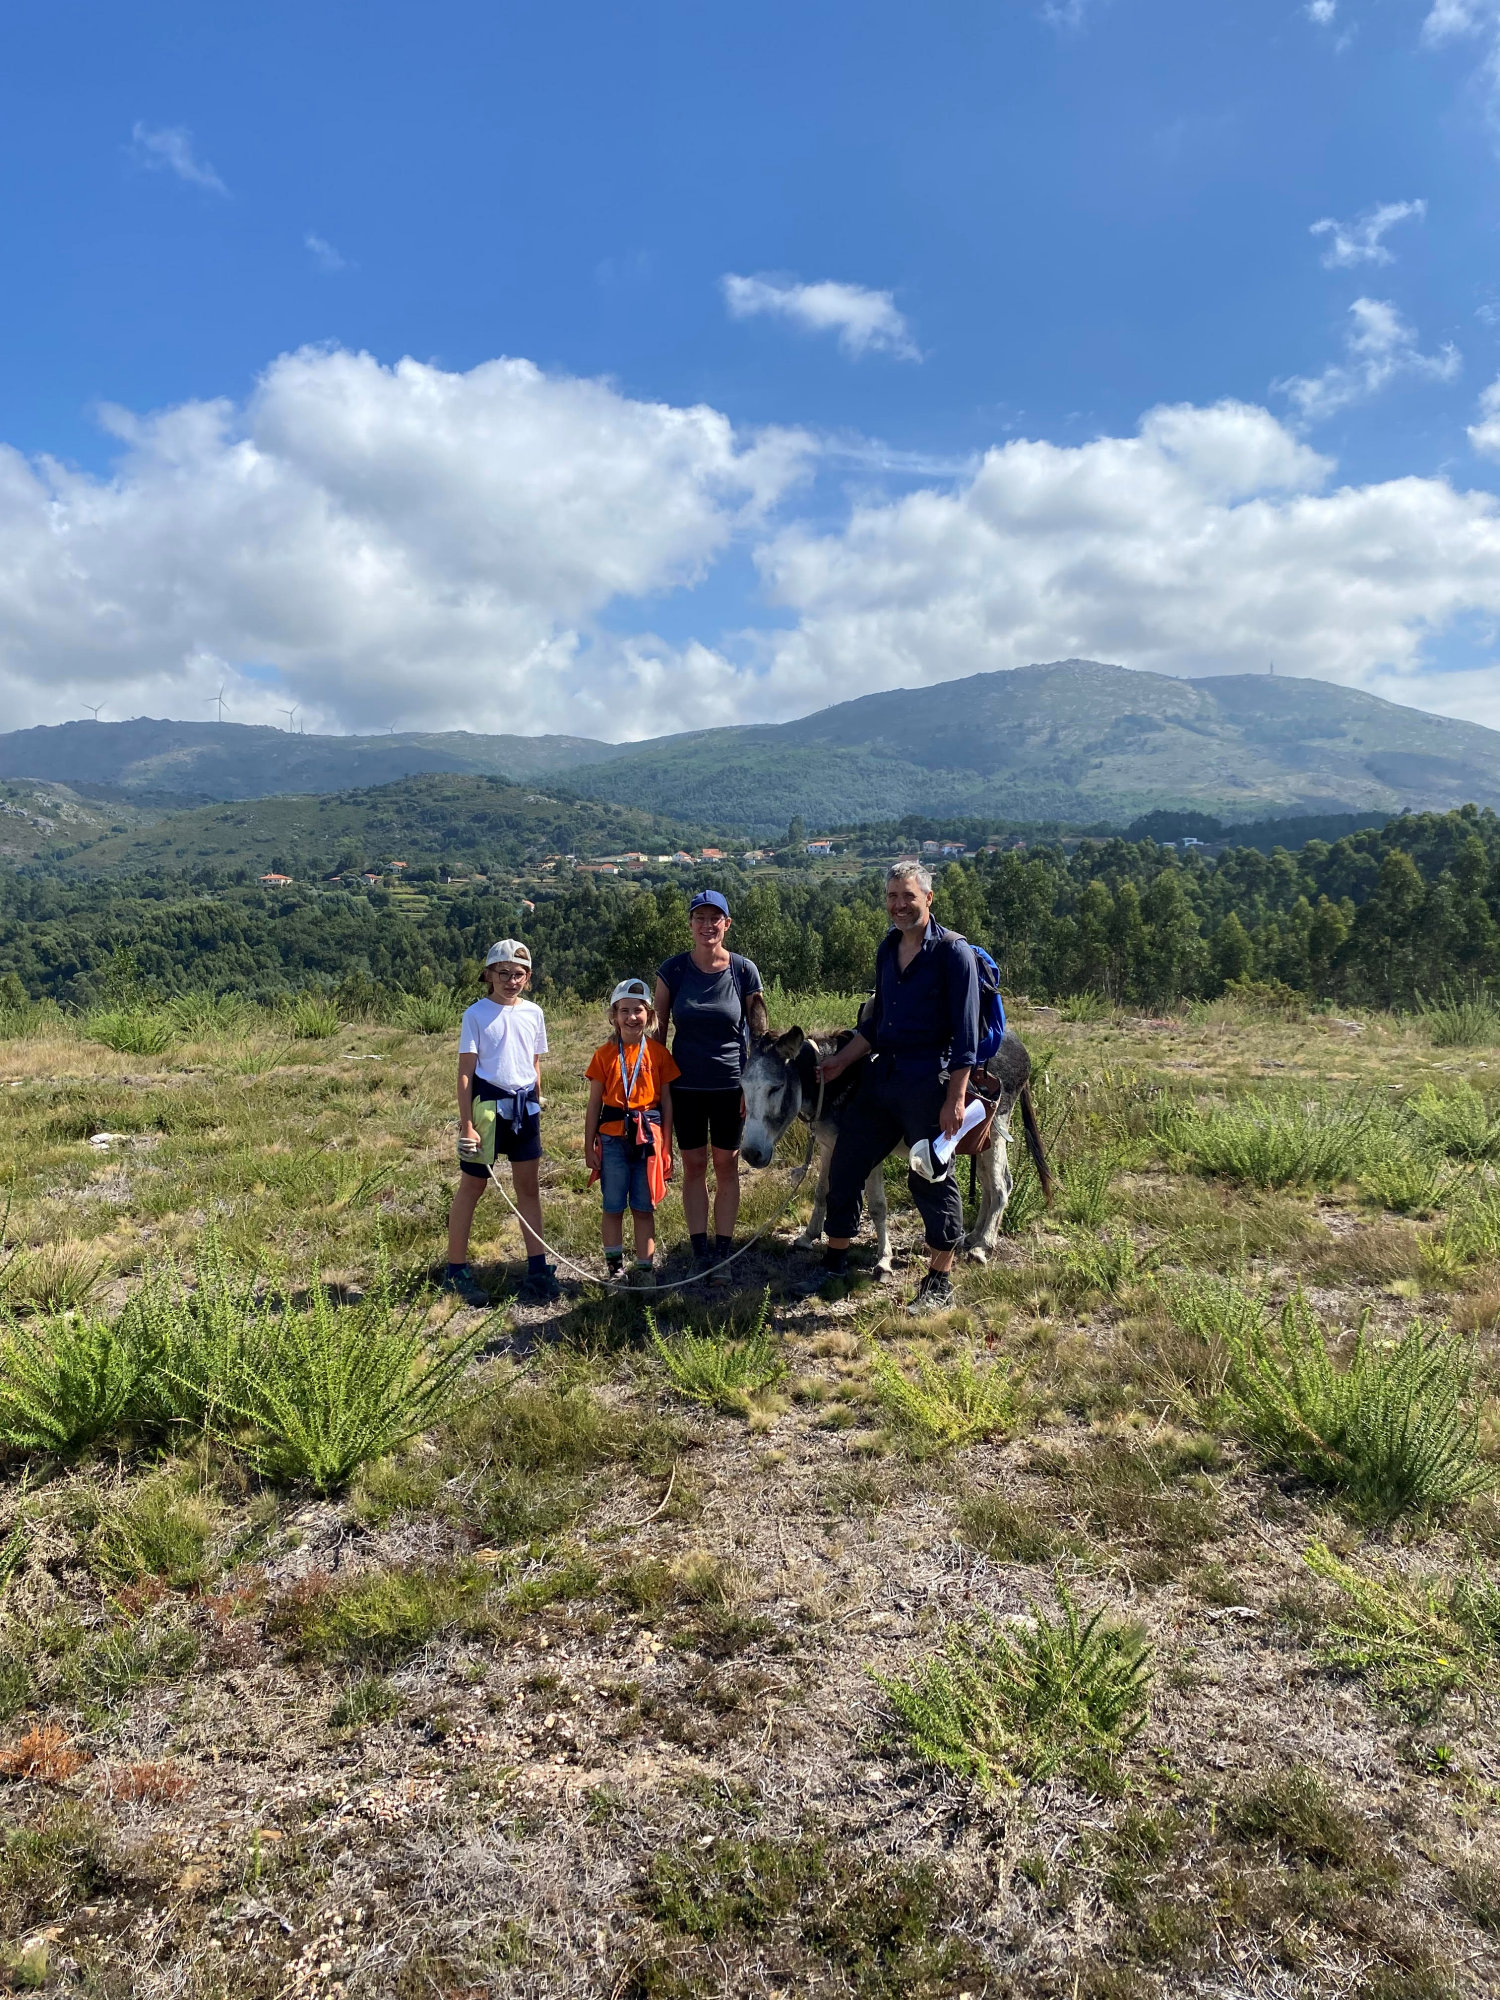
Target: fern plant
[(191, 1339), (1086, 1185), (1280, 1142), (1458, 1122), (66, 1381), (1407, 1180), (1394, 1429), (947, 1405), (328, 1388), (721, 1372), (1415, 1640), (1005, 1704)]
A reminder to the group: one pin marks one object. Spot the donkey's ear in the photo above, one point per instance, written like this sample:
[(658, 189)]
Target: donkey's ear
[(789, 1045)]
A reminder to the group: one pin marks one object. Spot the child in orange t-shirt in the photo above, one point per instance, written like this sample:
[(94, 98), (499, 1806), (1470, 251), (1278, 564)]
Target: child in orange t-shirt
[(629, 1119)]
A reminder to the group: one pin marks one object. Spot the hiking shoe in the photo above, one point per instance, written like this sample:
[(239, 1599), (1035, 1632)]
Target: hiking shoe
[(466, 1286), (933, 1295), (539, 1288), (638, 1280)]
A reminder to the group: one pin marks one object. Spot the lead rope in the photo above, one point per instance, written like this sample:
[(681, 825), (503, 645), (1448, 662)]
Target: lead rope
[(696, 1277)]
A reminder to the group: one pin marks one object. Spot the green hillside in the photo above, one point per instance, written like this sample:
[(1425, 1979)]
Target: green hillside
[(194, 761), (469, 824), (1076, 741), (34, 819)]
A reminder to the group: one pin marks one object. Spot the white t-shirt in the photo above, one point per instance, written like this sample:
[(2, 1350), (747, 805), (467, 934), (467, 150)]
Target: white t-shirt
[(507, 1041)]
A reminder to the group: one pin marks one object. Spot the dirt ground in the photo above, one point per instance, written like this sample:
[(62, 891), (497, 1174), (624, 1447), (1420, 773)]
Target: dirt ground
[(577, 1694)]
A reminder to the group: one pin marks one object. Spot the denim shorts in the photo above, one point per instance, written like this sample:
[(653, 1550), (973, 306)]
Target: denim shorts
[(623, 1180)]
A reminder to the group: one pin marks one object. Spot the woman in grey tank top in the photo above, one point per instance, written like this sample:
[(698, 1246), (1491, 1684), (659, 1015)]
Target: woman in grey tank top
[(710, 999)]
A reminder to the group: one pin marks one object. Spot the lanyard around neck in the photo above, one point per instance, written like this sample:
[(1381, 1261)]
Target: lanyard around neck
[(640, 1057)]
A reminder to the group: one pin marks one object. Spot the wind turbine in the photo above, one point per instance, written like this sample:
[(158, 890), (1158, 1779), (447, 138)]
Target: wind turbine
[(289, 713), (219, 698), (93, 710)]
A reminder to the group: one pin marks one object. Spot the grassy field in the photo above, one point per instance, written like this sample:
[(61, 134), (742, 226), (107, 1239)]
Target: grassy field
[(1132, 1630)]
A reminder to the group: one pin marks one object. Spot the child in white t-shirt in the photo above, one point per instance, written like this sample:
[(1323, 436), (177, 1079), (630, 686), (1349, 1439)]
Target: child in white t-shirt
[(501, 1042)]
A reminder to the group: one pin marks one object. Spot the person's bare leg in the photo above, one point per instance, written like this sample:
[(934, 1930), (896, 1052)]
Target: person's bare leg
[(726, 1191), (940, 1260), (695, 1190), (461, 1216), (645, 1234), (525, 1179), (612, 1230)]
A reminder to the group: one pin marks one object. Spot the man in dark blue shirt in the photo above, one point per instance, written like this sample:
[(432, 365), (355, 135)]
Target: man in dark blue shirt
[(922, 1032)]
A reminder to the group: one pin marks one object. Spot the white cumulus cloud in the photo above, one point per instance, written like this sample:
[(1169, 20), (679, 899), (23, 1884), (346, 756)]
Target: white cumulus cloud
[(1485, 435), (410, 546), (866, 322), (1363, 240), (1322, 12), (1209, 542), (387, 545), (169, 149), (1379, 347)]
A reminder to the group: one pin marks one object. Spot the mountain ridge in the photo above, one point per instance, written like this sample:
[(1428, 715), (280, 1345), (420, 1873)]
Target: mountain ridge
[(1076, 740)]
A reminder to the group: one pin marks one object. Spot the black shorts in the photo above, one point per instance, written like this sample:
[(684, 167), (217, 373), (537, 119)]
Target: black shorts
[(704, 1117), (510, 1144)]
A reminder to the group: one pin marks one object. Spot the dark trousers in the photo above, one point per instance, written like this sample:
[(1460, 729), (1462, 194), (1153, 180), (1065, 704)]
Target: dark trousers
[(892, 1107)]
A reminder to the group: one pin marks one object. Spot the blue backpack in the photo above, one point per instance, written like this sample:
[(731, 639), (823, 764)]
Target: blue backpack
[(991, 1006)]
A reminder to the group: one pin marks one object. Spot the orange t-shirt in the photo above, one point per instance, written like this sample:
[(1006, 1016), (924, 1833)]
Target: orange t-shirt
[(656, 1072)]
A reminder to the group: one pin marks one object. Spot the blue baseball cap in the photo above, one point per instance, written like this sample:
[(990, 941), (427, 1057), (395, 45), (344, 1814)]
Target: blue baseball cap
[(708, 899)]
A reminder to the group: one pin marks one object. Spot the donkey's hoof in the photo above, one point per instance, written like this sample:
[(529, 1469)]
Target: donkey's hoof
[(977, 1253)]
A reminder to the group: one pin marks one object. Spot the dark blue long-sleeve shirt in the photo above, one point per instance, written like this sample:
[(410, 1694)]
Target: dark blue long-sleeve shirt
[(927, 1015)]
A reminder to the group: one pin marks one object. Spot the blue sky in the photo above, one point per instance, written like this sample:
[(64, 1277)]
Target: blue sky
[(867, 246)]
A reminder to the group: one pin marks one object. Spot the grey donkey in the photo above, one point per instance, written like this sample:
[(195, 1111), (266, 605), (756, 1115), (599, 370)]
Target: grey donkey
[(781, 1084)]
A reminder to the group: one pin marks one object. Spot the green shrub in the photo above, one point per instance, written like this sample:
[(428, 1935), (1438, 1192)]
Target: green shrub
[(161, 1529), (947, 1405), (1406, 1180), (997, 1703), (197, 1016), (191, 1338), (1279, 1142), (54, 1277), (368, 1699), (1216, 1316), (426, 1013), (1462, 1020), (313, 1018), (1086, 1183), (828, 1918), (66, 1381), (132, 1031), (329, 1388), (1087, 1007), (1296, 1810), (722, 1372), (1394, 1429), (1459, 1122), (376, 1620), (1414, 1639)]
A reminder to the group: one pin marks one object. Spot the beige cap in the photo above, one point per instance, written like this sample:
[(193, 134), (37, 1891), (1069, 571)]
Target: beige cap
[(509, 951)]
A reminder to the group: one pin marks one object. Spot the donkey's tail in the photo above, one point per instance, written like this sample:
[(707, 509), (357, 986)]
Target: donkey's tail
[(1034, 1142)]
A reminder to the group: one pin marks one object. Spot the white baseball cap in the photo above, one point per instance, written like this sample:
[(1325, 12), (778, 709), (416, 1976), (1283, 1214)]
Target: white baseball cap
[(509, 951), (631, 989)]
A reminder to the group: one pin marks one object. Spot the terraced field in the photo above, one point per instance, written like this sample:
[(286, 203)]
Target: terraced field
[(1130, 1631)]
